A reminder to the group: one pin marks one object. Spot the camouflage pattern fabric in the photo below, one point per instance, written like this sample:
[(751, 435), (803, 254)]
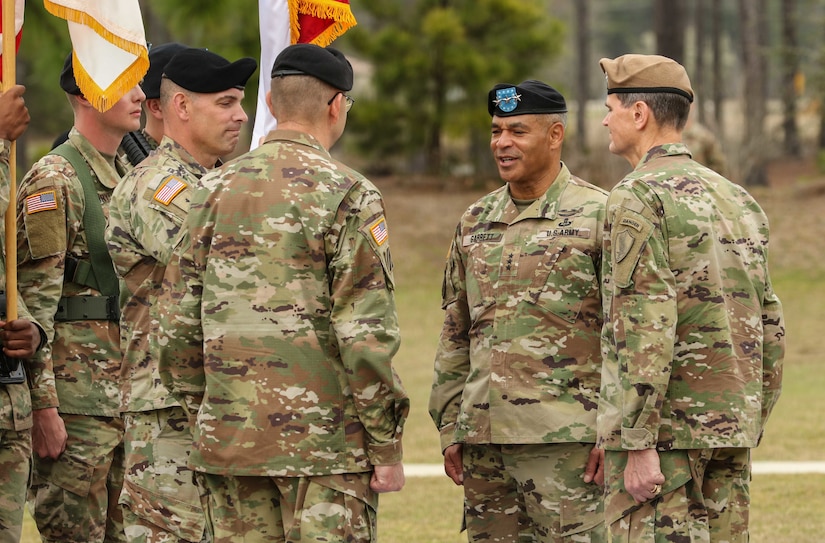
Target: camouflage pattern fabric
[(160, 501), (79, 368), (148, 207), (694, 334), (15, 462), (15, 409), (706, 497), (280, 313), (693, 340), (81, 363), (531, 493), (145, 215), (518, 360), (74, 498), (328, 509)]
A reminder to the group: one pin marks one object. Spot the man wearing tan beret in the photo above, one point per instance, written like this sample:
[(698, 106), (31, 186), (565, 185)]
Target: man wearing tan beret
[(693, 339)]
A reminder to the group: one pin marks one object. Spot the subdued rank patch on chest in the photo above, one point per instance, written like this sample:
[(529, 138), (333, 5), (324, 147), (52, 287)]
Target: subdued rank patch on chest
[(481, 237), (379, 231), (42, 201), (171, 187)]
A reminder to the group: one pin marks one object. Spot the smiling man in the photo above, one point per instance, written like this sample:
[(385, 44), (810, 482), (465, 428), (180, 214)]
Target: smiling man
[(516, 383), (200, 103)]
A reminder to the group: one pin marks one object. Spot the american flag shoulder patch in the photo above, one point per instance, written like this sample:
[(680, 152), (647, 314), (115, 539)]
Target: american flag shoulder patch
[(379, 231), (42, 201), (168, 189)]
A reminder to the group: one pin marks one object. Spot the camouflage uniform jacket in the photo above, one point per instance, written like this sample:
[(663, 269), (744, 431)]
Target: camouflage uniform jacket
[(518, 361), (145, 217), (694, 336), (15, 401), (80, 365), (281, 314)]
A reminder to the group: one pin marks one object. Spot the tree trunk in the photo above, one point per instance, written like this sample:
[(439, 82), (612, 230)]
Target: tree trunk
[(753, 159), (669, 25), (698, 79), (583, 71), (716, 49), (790, 69)]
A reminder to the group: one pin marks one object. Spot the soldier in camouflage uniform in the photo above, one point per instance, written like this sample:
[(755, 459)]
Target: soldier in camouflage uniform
[(20, 338), (201, 94), (159, 56), (694, 336), (516, 384), (200, 99), (278, 326), (77, 433)]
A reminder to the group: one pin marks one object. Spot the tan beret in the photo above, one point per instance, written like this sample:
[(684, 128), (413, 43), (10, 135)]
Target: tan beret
[(646, 73)]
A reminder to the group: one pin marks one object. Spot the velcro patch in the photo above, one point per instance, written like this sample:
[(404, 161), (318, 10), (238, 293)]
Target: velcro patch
[(171, 187), (42, 201), (379, 231)]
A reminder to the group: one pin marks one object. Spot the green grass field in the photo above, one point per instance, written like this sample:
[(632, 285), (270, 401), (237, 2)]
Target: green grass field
[(785, 508)]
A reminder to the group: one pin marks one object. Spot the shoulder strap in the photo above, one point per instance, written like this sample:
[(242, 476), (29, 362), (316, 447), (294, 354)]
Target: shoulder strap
[(101, 276)]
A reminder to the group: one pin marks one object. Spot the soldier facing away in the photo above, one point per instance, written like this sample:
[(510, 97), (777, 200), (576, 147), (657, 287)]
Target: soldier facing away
[(278, 326), (694, 335)]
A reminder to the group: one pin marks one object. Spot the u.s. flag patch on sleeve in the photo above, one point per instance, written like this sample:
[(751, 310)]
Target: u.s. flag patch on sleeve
[(379, 231), (42, 201), (171, 187)]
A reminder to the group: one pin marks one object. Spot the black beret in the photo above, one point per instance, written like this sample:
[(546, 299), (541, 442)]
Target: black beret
[(528, 97), (159, 56), (325, 63), (67, 80), (201, 70)]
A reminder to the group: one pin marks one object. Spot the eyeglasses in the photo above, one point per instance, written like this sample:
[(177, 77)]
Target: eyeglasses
[(350, 100)]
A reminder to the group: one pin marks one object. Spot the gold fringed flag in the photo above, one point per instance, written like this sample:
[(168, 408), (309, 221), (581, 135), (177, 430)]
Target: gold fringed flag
[(109, 46), (283, 22), (320, 21)]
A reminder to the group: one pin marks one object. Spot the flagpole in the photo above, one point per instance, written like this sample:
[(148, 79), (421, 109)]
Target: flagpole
[(9, 76)]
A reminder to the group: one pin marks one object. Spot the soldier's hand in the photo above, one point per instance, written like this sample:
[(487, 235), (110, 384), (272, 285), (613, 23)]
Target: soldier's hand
[(14, 115), (388, 478), (453, 464), (48, 433), (20, 338), (643, 478), (594, 470)]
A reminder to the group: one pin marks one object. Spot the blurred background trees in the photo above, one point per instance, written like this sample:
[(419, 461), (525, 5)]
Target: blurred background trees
[(423, 69)]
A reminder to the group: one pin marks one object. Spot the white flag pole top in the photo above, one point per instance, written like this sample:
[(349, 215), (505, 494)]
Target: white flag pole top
[(109, 54)]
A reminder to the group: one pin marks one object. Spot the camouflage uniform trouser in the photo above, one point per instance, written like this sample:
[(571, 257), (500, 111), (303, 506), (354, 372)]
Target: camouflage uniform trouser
[(706, 497), (15, 462), (329, 509), (160, 501), (74, 498), (531, 493)]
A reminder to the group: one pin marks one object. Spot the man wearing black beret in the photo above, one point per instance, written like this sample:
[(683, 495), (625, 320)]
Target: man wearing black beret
[(199, 94), (517, 370), (67, 281), (279, 326), (159, 56)]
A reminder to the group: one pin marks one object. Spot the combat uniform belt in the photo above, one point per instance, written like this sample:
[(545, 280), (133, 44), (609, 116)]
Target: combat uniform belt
[(87, 308), (11, 369)]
